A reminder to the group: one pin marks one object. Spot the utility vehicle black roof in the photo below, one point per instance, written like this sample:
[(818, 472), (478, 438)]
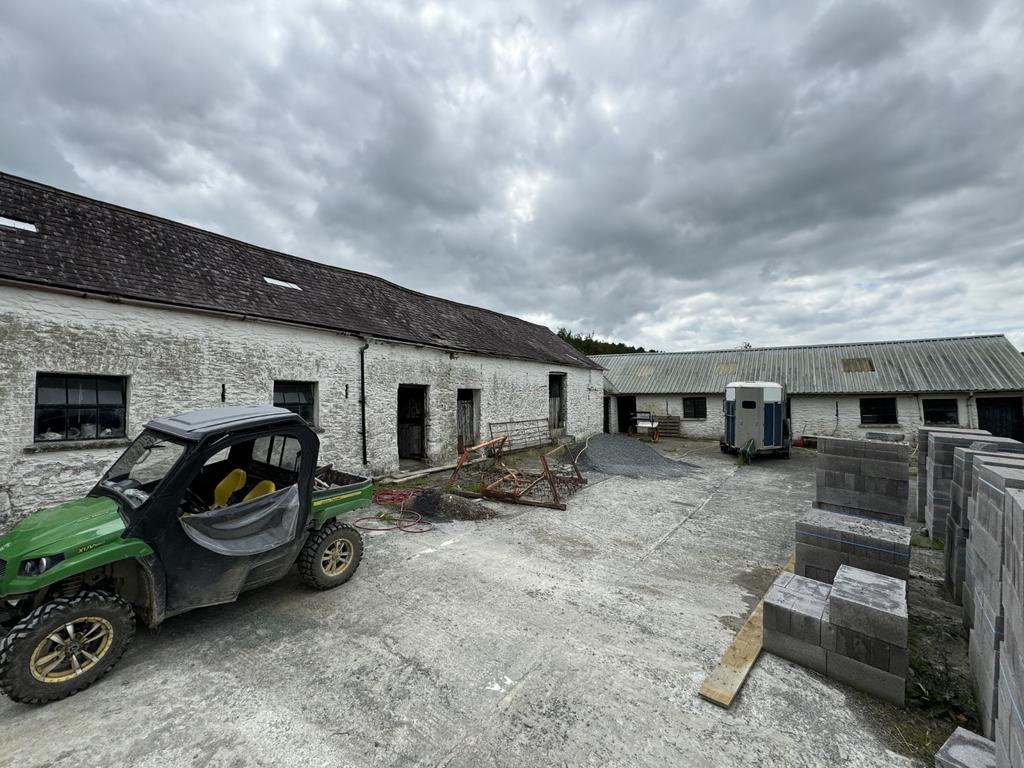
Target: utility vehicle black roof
[(195, 425)]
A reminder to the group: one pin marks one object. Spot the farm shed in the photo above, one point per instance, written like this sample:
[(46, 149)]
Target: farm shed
[(110, 317), (842, 390)]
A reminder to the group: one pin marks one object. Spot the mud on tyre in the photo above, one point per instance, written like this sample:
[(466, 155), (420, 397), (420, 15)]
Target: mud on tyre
[(64, 646), (331, 556)]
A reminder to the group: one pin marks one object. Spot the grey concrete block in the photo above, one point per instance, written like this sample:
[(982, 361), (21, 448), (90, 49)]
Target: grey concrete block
[(867, 650), (871, 603), (964, 749), (795, 607), (810, 655), (866, 678), (888, 437)]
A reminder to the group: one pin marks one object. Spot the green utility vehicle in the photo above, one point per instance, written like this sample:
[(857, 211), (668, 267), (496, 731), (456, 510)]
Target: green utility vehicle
[(200, 507)]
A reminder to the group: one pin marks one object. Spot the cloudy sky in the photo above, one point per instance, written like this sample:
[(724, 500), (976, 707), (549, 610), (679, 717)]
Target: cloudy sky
[(681, 175)]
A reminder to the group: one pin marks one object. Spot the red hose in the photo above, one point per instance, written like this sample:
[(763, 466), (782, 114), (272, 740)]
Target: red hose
[(405, 520)]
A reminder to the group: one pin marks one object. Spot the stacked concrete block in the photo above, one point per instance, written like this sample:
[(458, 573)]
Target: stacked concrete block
[(826, 540), (922, 461), (941, 445), (1010, 711), (793, 610), (959, 570), (854, 631), (867, 632), (990, 506), (964, 749), (889, 437), (870, 478)]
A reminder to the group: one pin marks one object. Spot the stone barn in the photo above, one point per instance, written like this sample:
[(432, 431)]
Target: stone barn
[(110, 317), (841, 390)]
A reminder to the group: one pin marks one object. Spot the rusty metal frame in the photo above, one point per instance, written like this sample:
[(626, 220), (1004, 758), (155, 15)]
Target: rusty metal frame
[(502, 482)]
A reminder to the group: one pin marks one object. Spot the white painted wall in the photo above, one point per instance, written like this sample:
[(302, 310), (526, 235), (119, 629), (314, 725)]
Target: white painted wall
[(817, 414), (710, 428), (178, 361)]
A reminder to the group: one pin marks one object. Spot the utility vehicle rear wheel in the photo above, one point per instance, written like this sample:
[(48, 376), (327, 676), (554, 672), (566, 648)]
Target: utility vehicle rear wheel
[(64, 646), (331, 556)]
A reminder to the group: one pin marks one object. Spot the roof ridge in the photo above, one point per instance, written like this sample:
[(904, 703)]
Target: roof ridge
[(967, 337), (104, 204)]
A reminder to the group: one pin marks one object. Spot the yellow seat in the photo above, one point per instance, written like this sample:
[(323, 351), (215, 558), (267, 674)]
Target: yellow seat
[(234, 481), (262, 488)]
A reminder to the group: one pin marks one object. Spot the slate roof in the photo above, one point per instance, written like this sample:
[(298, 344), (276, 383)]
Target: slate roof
[(85, 244), (962, 364)]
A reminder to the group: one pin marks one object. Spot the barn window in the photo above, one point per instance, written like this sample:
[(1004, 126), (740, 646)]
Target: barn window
[(878, 410), (695, 407), (298, 397), (72, 407), (941, 411), (858, 365)]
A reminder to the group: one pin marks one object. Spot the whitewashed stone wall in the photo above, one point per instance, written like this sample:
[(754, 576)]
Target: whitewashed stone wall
[(817, 414), (178, 361), (710, 428)]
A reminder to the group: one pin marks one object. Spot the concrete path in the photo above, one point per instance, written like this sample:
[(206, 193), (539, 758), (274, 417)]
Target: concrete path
[(540, 638)]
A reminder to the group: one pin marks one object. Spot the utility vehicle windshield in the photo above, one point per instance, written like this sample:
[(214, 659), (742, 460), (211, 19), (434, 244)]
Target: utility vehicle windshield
[(142, 467)]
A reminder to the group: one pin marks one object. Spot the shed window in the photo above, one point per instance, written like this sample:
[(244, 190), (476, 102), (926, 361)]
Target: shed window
[(878, 410), (858, 365), (298, 397), (71, 407), (695, 407), (941, 411)]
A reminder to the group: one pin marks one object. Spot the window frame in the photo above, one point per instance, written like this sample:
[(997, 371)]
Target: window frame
[(956, 411), (694, 415), (868, 422), (119, 408), (293, 386)]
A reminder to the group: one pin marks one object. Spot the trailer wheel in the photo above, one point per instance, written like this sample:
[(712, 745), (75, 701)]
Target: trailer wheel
[(331, 556), (64, 646)]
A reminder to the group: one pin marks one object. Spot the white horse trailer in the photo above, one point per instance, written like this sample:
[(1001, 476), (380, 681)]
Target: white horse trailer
[(755, 411)]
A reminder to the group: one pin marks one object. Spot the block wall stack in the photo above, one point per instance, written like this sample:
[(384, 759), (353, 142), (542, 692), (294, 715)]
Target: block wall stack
[(1009, 735), (854, 631), (922, 461), (939, 469), (959, 576), (991, 514), (863, 477), (826, 540)]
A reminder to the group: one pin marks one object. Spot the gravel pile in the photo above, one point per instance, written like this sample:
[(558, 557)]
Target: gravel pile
[(629, 457)]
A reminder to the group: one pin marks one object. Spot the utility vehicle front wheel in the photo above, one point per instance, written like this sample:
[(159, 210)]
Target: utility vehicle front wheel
[(64, 646), (331, 556)]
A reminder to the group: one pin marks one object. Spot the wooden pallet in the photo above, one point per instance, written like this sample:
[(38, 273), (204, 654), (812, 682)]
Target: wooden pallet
[(723, 685)]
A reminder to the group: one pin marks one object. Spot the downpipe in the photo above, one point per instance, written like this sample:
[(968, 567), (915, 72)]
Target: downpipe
[(362, 395)]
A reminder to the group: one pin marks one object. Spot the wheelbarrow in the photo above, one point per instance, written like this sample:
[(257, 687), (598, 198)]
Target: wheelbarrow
[(644, 423)]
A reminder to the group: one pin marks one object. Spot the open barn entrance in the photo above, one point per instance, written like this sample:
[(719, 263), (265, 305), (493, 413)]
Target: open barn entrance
[(412, 422), (1002, 416), (467, 418), (627, 407)]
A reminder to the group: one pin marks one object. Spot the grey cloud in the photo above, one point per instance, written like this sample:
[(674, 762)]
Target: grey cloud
[(674, 175)]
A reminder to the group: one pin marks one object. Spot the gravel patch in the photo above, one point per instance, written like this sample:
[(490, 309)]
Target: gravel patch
[(629, 457)]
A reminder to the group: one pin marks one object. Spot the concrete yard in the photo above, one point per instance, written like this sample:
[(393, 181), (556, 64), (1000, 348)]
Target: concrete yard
[(537, 638)]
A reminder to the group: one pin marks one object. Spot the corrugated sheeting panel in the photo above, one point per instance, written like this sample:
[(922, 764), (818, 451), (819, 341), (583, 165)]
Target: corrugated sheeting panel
[(964, 364)]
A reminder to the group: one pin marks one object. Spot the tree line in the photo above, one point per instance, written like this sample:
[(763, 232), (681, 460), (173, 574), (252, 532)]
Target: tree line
[(589, 345)]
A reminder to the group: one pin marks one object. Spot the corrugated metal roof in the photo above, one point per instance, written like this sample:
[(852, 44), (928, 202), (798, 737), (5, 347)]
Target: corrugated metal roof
[(962, 364)]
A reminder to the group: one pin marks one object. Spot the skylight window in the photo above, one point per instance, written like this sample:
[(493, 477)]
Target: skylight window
[(15, 224), (858, 365), (281, 283)]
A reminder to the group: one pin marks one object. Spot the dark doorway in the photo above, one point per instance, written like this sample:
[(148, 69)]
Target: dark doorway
[(607, 415), (1002, 416), (556, 400), (466, 406), (412, 412), (627, 407)]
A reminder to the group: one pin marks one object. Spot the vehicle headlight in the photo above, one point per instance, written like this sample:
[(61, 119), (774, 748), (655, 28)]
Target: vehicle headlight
[(38, 565)]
